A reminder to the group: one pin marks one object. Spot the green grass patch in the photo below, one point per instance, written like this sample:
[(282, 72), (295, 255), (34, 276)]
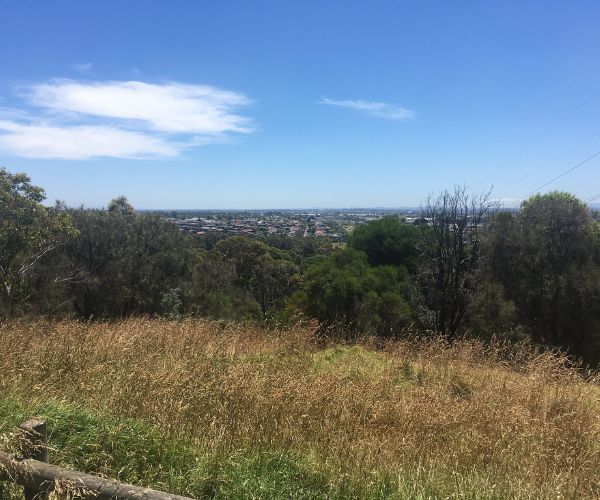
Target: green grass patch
[(131, 451)]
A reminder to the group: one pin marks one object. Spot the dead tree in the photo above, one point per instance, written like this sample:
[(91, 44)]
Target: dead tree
[(451, 252)]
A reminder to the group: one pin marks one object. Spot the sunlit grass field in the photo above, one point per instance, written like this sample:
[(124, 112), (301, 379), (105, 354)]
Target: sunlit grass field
[(208, 409)]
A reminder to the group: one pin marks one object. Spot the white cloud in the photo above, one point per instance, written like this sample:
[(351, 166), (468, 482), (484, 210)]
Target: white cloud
[(172, 107), (77, 120), (80, 142), (379, 109)]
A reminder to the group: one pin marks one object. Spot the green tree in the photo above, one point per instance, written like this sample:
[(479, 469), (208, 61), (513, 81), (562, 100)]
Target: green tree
[(559, 288), (491, 308), (387, 241), (343, 289), (121, 205), (268, 274), (171, 304), (545, 262), (29, 231), (216, 290), (128, 261)]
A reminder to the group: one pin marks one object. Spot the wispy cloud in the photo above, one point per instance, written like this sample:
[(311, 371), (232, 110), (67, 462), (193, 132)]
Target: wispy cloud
[(129, 119), (379, 109), (83, 67)]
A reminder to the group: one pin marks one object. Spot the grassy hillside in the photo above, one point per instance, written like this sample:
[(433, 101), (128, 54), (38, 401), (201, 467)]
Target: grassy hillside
[(207, 409)]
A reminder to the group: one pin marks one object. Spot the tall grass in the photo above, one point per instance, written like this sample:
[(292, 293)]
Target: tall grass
[(413, 418)]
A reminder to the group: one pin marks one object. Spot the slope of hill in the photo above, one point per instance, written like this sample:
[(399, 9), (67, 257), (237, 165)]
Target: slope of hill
[(208, 409)]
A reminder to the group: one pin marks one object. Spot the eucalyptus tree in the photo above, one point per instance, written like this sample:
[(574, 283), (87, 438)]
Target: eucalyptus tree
[(29, 231)]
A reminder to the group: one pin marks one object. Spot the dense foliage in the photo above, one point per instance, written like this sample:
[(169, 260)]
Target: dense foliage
[(466, 267), (544, 264), (343, 289), (28, 232), (388, 241)]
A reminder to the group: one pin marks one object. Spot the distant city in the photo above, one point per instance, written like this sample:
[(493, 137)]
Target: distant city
[(335, 224)]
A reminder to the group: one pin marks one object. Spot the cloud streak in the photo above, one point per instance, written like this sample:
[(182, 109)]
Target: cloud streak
[(378, 109), (130, 119), (83, 67), (80, 142)]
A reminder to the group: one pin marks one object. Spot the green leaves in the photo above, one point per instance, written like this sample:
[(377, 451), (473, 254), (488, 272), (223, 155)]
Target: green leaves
[(266, 273), (542, 267), (343, 289), (28, 232), (387, 241), (129, 261)]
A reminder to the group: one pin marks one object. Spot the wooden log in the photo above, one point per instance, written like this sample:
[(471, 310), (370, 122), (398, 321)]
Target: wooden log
[(34, 445), (44, 478), (35, 439)]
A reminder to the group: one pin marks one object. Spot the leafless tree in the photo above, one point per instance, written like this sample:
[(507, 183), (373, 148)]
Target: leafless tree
[(451, 252)]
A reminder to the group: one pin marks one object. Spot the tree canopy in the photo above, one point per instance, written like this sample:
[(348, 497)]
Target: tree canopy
[(28, 232), (344, 290), (387, 242), (464, 268), (545, 259)]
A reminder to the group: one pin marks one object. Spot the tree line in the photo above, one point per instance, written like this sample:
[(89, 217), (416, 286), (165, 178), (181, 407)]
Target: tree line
[(464, 266)]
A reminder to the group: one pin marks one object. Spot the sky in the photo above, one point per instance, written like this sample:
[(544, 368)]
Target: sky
[(279, 104)]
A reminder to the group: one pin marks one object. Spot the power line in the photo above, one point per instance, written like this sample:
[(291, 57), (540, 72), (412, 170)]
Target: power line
[(541, 136), (549, 162), (592, 198), (564, 173)]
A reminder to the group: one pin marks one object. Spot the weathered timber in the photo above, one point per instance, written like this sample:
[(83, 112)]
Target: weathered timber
[(34, 439), (34, 445), (44, 478)]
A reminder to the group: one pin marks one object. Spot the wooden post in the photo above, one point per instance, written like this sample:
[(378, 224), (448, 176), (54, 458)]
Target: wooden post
[(43, 477), (35, 446), (38, 478)]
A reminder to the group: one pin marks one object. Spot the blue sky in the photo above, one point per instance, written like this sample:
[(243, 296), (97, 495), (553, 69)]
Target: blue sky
[(255, 104)]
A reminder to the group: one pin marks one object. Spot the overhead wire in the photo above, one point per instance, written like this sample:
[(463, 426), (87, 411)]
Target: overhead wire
[(589, 158), (592, 198), (552, 160), (542, 135)]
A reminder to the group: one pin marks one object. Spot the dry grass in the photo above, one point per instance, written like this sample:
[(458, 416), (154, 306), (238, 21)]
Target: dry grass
[(421, 418)]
